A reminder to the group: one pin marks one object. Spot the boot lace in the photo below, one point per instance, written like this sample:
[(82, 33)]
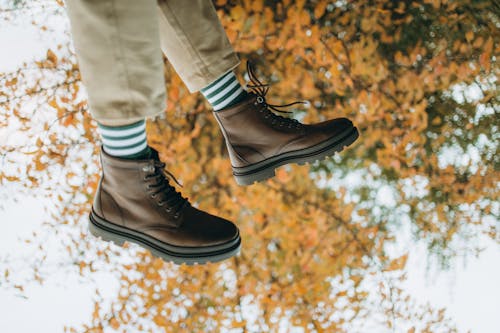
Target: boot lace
[(161, 190), (261, 89)]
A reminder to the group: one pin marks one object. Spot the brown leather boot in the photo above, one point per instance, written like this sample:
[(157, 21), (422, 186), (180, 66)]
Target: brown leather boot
[(134, 202), (259, 141)]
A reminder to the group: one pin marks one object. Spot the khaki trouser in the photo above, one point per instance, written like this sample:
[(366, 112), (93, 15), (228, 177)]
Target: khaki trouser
[(119, 44)]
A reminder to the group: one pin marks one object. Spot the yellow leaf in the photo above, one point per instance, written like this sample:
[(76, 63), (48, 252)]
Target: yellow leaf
[(478, 42), (51, 56), (237, 13), (300, 4), (68, 120), (113, 322), (238, 324), (469, 35), (257, 6), (488, 46), (366, 24), (398, 263), (320, 9), (53, 103), (436, 121), (11, 82), (39, 166)]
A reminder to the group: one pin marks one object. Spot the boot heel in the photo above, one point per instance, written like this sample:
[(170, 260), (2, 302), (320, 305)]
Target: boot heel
[(258, 176), (103, 234)]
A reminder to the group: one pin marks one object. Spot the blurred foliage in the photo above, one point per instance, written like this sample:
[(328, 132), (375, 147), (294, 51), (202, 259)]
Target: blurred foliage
[(419, 79)]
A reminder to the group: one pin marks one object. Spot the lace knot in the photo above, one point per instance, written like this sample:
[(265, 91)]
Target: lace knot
[(260, 90)]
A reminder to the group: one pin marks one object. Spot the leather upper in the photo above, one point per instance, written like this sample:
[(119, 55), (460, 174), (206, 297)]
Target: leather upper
[(126, 196), (254, 133)]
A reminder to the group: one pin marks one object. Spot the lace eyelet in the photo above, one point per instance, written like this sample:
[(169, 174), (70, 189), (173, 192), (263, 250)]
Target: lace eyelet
[(260, 100), (176, 216), (161, 204), (168, 209), (152, 196)]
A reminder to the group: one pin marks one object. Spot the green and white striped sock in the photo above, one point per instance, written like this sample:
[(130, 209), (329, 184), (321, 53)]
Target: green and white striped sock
[(127, 141), (224, 92)]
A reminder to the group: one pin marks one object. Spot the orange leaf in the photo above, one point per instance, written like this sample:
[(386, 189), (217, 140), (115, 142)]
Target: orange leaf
[(398, 263), (51, 56), (320, 9)]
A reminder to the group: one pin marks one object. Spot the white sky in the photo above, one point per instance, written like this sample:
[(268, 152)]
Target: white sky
[(471, 293)]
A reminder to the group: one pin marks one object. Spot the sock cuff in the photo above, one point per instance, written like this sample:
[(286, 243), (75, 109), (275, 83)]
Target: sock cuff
[(127, 141), (224, 92), (228, 77), (122, 131)]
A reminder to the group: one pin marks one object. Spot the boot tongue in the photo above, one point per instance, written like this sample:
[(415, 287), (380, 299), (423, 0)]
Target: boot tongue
[(169, 194), (164, 188)]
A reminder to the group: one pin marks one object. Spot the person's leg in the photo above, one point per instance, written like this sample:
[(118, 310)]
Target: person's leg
[(258, 141), (121, 64), (195, 43), (120, 58), (118, 47)]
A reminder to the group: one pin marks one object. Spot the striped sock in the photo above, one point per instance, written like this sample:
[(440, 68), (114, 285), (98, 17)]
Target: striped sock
[(127, 141), (224, 92)]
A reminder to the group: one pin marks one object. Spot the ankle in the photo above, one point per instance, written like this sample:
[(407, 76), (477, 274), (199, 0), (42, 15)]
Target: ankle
[(127, 142), (224, 92)]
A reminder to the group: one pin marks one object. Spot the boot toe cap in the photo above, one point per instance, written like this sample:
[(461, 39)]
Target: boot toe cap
[(220, 231), (336, 125), (210, 230)]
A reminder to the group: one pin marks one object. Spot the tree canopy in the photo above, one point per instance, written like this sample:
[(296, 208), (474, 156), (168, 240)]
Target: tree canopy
[(420, 81)]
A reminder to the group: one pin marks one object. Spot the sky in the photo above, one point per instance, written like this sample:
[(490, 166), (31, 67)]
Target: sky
[(469, 290)]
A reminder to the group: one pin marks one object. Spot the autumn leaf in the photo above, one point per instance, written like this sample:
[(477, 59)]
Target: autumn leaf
[(398, 263), (11, 83), (51, 56)]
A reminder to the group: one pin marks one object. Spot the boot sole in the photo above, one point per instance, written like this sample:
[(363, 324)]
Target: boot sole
[(266, 169), (179, 255)]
